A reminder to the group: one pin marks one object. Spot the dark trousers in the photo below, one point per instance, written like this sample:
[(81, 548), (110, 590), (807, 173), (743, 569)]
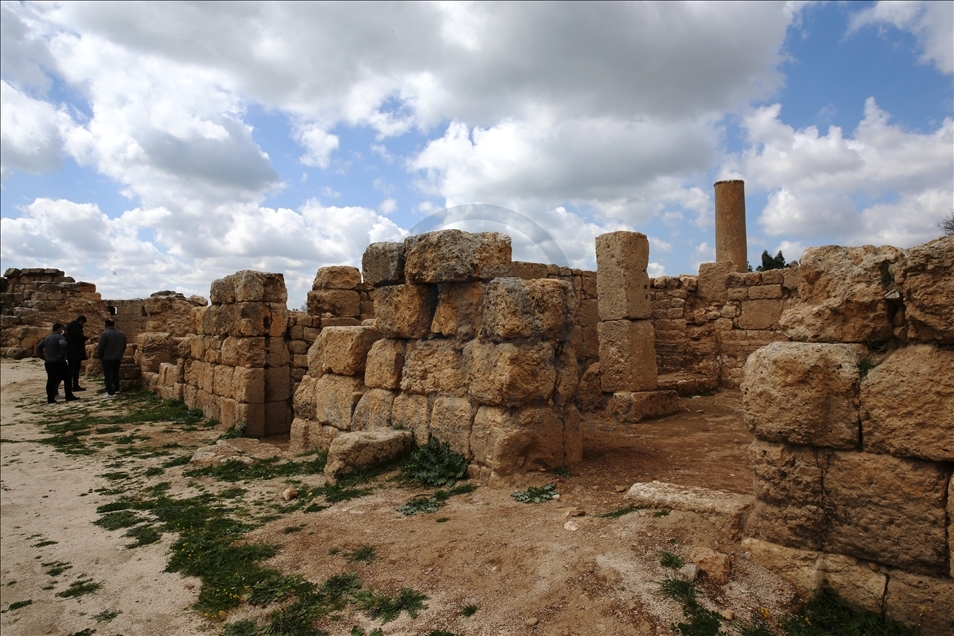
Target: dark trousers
[(75, 366), (56, 372), (111, 375)]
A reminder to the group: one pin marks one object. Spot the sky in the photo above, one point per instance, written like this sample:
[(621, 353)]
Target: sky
[(153, 146)]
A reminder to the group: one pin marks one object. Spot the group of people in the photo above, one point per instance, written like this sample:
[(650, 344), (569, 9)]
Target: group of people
[(64, 350)]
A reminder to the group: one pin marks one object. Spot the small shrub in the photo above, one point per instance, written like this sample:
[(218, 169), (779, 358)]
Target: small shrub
[(364, 554), (387, 608), (79, 587), (670, 560), (434, 464), (619, 512), (234, 431), (536, 494), (560, 471), (17, 605), (469, 610)]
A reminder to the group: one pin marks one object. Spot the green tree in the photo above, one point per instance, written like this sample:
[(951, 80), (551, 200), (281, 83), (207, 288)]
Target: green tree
[(771, 262)]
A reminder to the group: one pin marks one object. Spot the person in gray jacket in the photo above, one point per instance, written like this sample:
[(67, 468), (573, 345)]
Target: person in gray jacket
[(110, 350), (53, 351)]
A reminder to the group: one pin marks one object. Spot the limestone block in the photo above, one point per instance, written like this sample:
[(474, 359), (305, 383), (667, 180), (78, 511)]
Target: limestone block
[(222, 381), (277, 384), (304, 398), (507, 375), (249, 286), (737, 293), (716, 565), (555, 303), (591, 342), (276, 352), (907, 404), (434, 366), (308, 436), (842, 295), (711, 283), (243, 352), (635, 407), (621, 280), (405, 311), (383, 264), (724, 509), (760, 314), (385, 362), (923, 601), (517, 308), (373, 410), (248, 385), (298, 347), (169, 374), (627, 356), (336, 321), (765, 292), (796, 566), (254, 417), (451, 421), (337, 302), (589, 391), (351, 452), (926, 277), (567, 374), (412, 413), (450, 256), (509, 441), (276, 320), (316, 358), (459, 309), (207, 403), (589, 313), (335, 398), (344, 350), (337, 277), (803, 393), (222, 292), (572, 435), (527, 271), (888, 510)]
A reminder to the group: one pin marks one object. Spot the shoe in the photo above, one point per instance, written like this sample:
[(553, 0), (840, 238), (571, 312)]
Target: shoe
[(51, 401), (107, 396), (78, 388), (71, 398)]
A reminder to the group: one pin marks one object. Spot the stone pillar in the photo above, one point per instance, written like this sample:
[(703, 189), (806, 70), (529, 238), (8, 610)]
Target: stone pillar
[(730, 223)]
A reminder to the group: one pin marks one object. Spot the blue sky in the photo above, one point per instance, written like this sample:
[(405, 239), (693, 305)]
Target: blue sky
[(160, 146)]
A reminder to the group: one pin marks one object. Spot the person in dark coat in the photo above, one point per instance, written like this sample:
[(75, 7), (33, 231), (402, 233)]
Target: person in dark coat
[(76, 349), (110, 350), (53, 351)]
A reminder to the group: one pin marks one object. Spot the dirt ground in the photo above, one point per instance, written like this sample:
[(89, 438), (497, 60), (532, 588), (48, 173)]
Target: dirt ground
[(524, 566)]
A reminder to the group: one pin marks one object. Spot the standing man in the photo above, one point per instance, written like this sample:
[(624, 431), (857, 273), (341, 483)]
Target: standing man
[(76, 349), (53, 351), (110, 350)]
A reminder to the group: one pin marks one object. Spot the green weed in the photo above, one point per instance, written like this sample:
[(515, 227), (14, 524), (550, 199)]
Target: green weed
[(234, 471), (17, 605), (864, 366), (662, 513), (106, 615), (235, 431), (827, 614), (118, 519), (560, 471), (44, 543), (80, 587), (434, 464), (619, 512), (469, 610), (432, 503), (143, 535), (56, 568), (387, 608), (670, 560), (536, 494), (364, 554)]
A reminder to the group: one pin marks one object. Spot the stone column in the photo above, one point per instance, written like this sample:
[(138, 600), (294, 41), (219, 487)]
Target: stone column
[(730, 223)]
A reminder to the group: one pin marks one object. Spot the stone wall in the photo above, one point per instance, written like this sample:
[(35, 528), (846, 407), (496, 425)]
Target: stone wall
[(460, 349), (855, 432), (163, 312)]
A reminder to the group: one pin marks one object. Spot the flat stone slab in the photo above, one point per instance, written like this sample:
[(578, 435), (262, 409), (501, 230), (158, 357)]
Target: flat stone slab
[(244, 449), (353, 451), (724, 509)]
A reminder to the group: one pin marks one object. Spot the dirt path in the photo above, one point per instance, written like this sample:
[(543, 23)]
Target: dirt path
[(525, 568)]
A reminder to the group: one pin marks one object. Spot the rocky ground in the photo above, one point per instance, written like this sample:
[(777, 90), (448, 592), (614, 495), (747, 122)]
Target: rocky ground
[(551, 568)]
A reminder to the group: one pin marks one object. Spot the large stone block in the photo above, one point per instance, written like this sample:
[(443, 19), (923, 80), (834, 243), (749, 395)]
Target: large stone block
[(249, 286), (434, 366), (308, 436), (344, 350), (921, 601), (304, 399), (243, 352), (842, 295), (451, 421), (926, 277), (711, 284), (335, 399), (888, 510), (760, 314), (627, 356), (804, 393), (337, 302), (509, 441), (222, 383), (385, 362), (459, 309), (907, 404), (383, 264), (451, 256), (412, 413), (405, 311), (507, 375), (517, 308), (621, 280), (352, 452), (337, 277), (632, 407), (373, 410)]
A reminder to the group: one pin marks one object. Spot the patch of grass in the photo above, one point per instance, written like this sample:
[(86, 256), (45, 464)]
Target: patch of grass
[(679, 590), (80, 587), (235, 471), (44, 543), (827, 614), (619, 512), (106, 615), (364, 554), (56, 568), (662, 513), (435, 501), (244, 627), (387, 608), (359, 631), (313, 507), (469, 609), (442, 519), (560, 471), (434, 464), (119, 519), (115, 476), (89, 631), (292, 529), (339, 492), (143, 535), (536, 494), (103, 430), (152, 471), (670, 560), (181, 460), (235, 431), (18, 604)]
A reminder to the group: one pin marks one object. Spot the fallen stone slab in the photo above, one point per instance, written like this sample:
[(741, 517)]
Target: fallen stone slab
[(353, 451), (245, 449), (725, 510)]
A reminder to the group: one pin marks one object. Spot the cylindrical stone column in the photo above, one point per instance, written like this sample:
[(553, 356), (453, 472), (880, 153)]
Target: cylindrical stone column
[(730, 223)]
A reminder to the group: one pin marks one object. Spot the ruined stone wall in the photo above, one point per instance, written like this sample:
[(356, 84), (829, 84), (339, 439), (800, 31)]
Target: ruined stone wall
[(854, 421), (460, 350), (163, 312)]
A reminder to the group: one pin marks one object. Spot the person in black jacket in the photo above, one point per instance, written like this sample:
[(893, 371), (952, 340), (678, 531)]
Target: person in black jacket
[(53, 351), (110, 350), (76, 349)]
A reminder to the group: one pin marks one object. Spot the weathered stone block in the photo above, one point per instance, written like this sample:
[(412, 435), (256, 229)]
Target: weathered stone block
[(451, 421), (304, 399), (277, 384), (316, 358), (383, 264), (621, 280), (450, 256), (344, 350), (243, 352), (249, 286), (907, 404), (413, 413), (459, 309), (434, 366), (308, 436), (589, 313), (337, 302), (888, 510), (385, 362), (222, 381), (337, 277), (350, 452), (765, 292), (627, 356), (711, 284), (644, 405), (921, 601), (335, 399), (926, 278), (760, 314), (506, 375), (842, 295), (405, 311), (804, 393), (517, 308), (509, 441), (373, 410), (527, 271)]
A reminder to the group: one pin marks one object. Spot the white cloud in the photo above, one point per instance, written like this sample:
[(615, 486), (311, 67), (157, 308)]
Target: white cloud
[(387, 206), (30, 133), (932, 23), (702, 253), (318, 144)]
